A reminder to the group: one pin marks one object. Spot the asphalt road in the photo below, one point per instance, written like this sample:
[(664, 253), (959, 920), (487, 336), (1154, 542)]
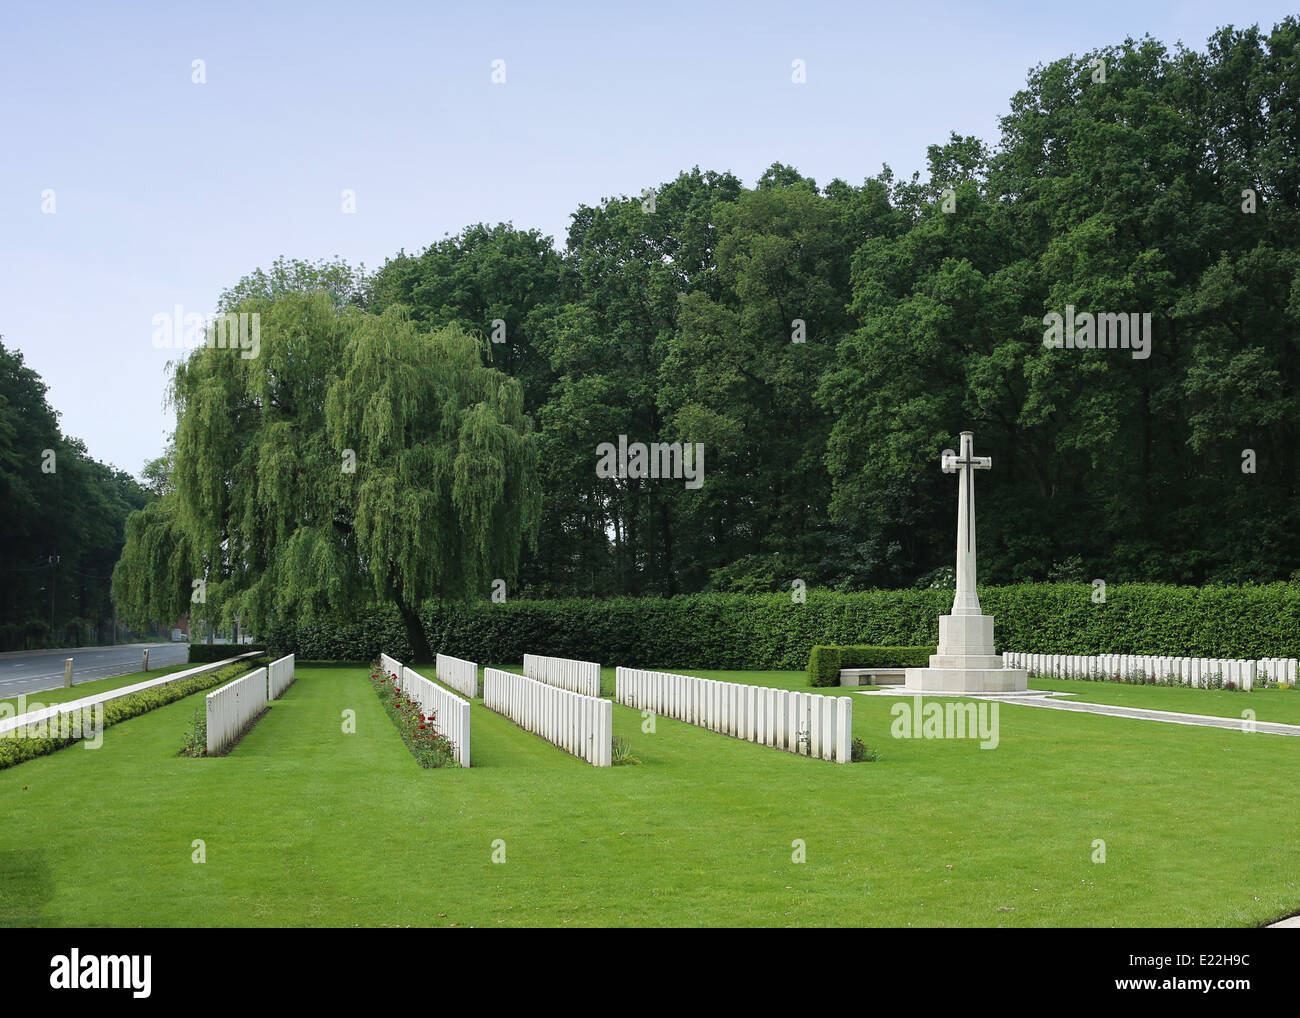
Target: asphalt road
[(32, 671)]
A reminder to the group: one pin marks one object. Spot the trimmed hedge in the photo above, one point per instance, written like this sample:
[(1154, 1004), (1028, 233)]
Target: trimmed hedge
[(824, 663), (769, 631), (15, 749), (206, 653)]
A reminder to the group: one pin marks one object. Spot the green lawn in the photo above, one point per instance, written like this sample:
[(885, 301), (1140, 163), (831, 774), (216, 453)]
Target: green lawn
[(306, 825)]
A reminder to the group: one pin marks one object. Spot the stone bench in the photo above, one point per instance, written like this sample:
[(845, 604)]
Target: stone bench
[(873, 676)]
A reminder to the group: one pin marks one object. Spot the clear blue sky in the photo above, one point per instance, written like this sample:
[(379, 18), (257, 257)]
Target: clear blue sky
[(167, 191)]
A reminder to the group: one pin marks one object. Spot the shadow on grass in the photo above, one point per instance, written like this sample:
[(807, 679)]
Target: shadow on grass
[(25, 886)]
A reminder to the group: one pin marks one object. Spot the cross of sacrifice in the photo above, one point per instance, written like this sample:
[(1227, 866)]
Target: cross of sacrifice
[(965, 464)]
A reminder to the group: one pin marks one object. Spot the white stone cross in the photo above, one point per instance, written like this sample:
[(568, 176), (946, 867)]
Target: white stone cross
[(966, 602)]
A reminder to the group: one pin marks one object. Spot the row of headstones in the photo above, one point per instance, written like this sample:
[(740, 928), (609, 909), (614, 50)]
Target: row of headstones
[(462, 676), (451, 713), (279, 677), (578, 724), (809, 724), (1197, 672), (574, 722), (229, 709), (575, 676), (458, 674)]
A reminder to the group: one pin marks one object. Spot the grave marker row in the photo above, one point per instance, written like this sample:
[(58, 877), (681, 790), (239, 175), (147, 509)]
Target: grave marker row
[(809, 724), (1197, 672), (233, 707), (576, 723), (576, 676), (462, 676), (279, 677), (451, 713)]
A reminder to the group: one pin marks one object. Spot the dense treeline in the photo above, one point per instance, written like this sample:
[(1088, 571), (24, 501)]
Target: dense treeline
[(61, 531), (1132, 194), (824, 342)]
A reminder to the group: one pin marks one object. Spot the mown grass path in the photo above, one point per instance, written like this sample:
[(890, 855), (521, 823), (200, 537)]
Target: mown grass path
[(306, 825)]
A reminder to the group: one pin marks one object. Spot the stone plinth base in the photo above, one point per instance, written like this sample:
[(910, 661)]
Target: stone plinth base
[(967, 680), (966, 661)]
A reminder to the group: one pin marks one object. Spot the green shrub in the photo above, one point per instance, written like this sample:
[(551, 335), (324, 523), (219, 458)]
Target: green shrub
[(195, 740), (860, 752), (886, 657), (824, 663), (824, 666), (621, 752)]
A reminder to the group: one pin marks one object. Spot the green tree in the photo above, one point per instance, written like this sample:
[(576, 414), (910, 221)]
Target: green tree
[(61, 528), (493, 281), (635, 258), (357, 457), (345, 285), (1122, 195), (740, 371)]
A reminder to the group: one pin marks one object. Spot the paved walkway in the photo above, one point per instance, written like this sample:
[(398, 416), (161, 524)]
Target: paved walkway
[(1168, 716), (1053, 701)]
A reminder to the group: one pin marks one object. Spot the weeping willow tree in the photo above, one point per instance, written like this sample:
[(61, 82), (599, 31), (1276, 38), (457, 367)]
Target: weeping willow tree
[(355, 458), (153, 578)]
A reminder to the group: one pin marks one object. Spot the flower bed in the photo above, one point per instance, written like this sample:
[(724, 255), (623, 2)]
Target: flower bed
[(418, 730)]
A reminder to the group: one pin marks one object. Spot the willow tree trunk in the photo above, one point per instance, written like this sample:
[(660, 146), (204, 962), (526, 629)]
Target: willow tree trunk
[(415, 636)]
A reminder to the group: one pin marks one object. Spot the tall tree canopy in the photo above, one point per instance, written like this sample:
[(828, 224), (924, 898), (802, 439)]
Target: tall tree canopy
[(1167, 188)]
